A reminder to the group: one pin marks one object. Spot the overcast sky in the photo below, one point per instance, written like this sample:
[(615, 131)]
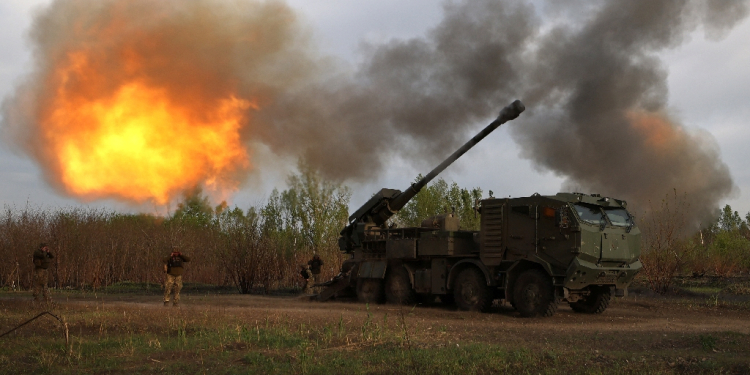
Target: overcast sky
[(709, 89)]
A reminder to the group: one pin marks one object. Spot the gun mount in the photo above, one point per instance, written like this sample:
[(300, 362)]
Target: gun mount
[(376, 211)]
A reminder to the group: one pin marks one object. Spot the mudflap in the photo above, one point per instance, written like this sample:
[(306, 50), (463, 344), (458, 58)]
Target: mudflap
[(334, 286)]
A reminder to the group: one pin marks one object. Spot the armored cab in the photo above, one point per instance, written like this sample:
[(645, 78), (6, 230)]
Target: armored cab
[(582, 246), (533, 252)]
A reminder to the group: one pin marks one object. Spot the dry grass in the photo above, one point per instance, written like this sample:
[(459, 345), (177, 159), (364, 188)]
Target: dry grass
[(95, 249), (131, 333)]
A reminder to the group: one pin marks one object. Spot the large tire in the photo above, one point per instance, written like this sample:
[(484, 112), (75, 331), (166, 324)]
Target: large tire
[(534, 294), (398, 288), (594, 303), (471, 292), (370, 290)]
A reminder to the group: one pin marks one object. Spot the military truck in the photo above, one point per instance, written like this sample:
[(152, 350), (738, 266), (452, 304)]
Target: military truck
[(532, 252)]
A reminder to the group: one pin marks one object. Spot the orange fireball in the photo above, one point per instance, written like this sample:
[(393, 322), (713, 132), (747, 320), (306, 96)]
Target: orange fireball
[(142, 101), (139, 142)]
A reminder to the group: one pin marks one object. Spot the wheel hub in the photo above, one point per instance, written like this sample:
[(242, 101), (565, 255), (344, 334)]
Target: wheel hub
[(468, 293), (531, 293)]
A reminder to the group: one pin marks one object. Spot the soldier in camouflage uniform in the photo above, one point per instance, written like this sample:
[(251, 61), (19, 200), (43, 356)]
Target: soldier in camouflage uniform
[(173, 266), (315, 264), (42, 259), (308, 278)]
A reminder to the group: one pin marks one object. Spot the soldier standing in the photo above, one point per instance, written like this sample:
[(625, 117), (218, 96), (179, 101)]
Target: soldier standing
[(42, 259), (308, 277), (315, 263), (173, 266)]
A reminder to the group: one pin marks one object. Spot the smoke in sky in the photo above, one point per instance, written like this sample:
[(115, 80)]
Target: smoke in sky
[(589, 73)]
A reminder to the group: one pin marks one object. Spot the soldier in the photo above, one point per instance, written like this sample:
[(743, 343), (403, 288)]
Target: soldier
[(173, 268), (315, 263), (42, 259), (308, 277)]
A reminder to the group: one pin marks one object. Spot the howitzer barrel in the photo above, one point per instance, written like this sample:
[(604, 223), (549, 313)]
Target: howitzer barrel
[(506, 114), (377, 210)]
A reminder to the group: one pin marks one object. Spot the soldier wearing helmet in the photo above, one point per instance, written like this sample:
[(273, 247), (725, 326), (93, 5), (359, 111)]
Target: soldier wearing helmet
[(315, 265), (173, 266), (42, 259)]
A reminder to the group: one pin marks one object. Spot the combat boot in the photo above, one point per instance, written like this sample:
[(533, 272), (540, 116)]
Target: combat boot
[(166, 303)]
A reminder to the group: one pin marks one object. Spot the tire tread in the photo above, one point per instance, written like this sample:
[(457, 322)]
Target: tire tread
[(596, 303), (545, 282), (474, 276)]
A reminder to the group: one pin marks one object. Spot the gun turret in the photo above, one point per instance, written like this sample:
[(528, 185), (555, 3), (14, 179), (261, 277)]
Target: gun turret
[(376, 211)]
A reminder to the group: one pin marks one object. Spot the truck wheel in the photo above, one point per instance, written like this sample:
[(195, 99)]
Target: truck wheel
[(398, 288), (594, 303), (370, 290), (471, 292), (534, 294)]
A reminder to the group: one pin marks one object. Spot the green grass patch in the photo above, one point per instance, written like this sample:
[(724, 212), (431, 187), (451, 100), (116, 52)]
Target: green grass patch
[(282, 349), (118, 338)]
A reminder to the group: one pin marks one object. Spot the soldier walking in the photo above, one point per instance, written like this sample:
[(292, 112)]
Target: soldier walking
[(308, 278), (315, 264), (173, 266), (42, 259)]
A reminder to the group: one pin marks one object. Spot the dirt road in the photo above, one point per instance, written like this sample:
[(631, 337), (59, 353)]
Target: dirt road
[(651, 317)]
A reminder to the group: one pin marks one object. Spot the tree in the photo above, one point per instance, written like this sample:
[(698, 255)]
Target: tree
[(730, 248), (311, 212), (729, 220), (305, 218), (195, 208), (317, 208), (242, 255), (438, 198), (664, 247)]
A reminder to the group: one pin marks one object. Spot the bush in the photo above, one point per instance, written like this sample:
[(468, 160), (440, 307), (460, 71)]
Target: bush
[(261, 248), (721, 249), (664, 246), (729, 253)]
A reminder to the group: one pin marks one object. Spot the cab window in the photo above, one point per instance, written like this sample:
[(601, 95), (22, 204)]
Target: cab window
[(589, 214), (619, 217)]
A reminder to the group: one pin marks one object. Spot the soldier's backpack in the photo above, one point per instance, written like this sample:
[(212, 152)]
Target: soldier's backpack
[(315, 265), (304, 274), (174, 262)]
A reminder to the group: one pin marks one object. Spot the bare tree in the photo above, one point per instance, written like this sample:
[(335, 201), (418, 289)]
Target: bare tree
[(664, 241)]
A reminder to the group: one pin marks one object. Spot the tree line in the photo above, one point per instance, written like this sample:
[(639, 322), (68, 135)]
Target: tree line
[(258, 248), (670, 247), (261, 248)]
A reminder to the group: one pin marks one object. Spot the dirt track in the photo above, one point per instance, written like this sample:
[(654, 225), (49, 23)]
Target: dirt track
[(639, 316)]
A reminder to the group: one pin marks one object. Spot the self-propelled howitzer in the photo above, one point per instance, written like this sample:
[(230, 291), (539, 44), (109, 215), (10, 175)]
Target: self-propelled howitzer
[(376, 211), (531, 252)]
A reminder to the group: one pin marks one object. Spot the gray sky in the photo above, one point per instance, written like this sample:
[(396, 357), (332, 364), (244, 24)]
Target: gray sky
[(709, 90)]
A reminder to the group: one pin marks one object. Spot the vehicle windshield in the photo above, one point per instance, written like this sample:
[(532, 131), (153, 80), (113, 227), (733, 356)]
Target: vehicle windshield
[(589, 214), (619, 217)]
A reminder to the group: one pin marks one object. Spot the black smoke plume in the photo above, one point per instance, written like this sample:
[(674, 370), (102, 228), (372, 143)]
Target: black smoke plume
[(589, 73)]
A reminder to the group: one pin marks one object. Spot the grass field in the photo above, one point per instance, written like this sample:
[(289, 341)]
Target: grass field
[(129, 331)]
